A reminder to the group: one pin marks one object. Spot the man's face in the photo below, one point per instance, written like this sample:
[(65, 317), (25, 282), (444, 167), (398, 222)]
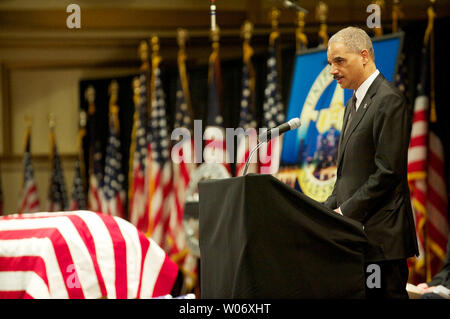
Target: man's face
[(345, 66)]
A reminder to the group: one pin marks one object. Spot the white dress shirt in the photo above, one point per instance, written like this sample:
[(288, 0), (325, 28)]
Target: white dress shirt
[(362, 90)]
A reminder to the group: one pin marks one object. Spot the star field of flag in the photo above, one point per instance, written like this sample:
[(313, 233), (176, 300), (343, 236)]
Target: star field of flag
[(158, 137), (57, 195), (78, 197), (273, 106), (138, 194), (140, 153), (160, 173), (214, 112), (182, 117), (114, 177), (246, 117)]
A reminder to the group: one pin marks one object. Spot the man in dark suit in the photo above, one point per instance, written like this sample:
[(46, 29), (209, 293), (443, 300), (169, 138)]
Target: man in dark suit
[(371, 185)]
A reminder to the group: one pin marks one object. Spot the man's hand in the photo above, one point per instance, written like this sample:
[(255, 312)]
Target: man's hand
[(425, 288), (338, 211)]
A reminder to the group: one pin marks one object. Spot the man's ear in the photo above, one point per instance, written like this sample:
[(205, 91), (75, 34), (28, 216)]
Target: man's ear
[(365, 56)]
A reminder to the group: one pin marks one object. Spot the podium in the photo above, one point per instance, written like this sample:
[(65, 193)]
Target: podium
[(260, 238)]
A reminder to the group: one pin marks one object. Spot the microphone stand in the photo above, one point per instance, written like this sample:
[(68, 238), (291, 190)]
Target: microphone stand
[(250, 156)]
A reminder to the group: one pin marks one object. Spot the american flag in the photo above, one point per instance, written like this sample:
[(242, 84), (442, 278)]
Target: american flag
[(95, 194), (80, 254), (427, 181), (183, 168), (247, 117), (57, 195), (159, 170), (138, 158), (215, 150), (401, 80), (78, 200), (113, 177), (95, 157), (273, 115), (29, 200)]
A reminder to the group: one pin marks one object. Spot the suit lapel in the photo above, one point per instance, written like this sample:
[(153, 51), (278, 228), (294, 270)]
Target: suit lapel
[(362, 109)]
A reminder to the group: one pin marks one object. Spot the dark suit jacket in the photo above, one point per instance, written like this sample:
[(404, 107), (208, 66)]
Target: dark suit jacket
[(371, 184)]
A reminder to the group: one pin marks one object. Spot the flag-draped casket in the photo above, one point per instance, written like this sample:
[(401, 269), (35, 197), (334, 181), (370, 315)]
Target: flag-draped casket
[(80, 254)]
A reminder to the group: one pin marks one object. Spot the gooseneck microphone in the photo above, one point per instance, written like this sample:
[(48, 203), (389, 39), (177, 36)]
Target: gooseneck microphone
[(280, 129), (276, 131)]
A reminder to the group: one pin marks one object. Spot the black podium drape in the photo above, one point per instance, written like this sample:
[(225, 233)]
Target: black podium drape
[(261, 239)]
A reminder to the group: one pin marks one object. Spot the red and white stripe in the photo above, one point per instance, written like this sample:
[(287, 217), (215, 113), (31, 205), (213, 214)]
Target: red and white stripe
[(29, 201), (138, 202), (79, 255), (160, 202), (437, 205), (115, 206), (428, 191), (95, 195), (183, 168), (417, 167)]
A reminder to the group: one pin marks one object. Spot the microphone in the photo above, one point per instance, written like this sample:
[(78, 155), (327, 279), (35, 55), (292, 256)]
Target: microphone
[(283, 128), (266, 136)]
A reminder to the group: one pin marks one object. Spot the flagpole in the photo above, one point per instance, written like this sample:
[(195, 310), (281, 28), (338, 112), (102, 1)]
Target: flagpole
[(143, 55), (51, 125), (432, 16), (144, 68), (247, 52), (429, 40), (396, 14), (301, 42), (156, 59), (182, 37), (274, 40), (136, 101), (113, 106), (214, 64), (89, 95), (28, 123), (321, 15), (81, 135), (213, 15)]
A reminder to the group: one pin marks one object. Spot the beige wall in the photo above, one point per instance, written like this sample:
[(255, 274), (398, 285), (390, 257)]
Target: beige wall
[(37, 87)]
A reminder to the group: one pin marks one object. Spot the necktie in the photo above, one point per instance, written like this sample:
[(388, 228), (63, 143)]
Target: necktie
[(352, 112)]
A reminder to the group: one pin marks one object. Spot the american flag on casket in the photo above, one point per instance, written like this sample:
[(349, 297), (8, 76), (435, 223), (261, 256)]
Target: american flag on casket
[(80, 254)]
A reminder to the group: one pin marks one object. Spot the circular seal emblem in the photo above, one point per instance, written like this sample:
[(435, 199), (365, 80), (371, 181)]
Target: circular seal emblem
[(190, 217), (318, 137)]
